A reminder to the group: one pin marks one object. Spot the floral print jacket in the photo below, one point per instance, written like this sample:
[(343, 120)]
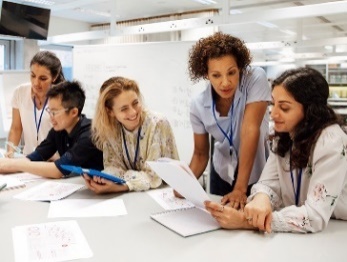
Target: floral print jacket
[(323, 190), (156, 141)]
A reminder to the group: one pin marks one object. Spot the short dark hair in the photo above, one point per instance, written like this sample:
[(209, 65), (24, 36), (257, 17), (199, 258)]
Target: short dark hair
[(71, 93), (309, 88)]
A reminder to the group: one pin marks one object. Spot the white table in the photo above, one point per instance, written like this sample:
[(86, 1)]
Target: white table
[(135, 237)]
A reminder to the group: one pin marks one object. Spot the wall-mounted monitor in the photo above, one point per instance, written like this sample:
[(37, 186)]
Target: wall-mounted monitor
[(24, 21)]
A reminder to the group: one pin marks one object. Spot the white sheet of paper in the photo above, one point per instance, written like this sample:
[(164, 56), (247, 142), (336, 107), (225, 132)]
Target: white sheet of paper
[(49, 191), (176, 175), (11, 182), (54, 241), (27, 177), (167, 200), (87, 208)]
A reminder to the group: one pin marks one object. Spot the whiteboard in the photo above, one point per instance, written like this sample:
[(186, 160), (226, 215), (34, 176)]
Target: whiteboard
[(161, 71)]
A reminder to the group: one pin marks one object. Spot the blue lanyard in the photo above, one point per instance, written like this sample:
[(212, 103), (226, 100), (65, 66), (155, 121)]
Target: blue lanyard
[(133, 167), (230, 138), (298, 184), (39, 123)]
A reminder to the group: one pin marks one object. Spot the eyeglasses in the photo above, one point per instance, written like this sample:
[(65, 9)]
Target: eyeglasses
[(53, 113)]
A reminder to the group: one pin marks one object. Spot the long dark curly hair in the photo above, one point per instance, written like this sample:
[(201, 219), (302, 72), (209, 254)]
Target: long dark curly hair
[(309, 88), (216, 46)]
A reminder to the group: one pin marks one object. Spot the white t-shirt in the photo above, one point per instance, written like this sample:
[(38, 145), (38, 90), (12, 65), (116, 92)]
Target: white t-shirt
[(22, 100)]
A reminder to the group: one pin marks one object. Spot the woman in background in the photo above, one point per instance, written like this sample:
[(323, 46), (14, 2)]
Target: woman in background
[(29, 101), (233, 110), (304, 182), (128, 135)]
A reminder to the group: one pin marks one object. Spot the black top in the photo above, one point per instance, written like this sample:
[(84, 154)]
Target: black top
[(75, 148)]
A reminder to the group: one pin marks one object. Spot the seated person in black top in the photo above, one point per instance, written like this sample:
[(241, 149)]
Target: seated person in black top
[(70, 137)]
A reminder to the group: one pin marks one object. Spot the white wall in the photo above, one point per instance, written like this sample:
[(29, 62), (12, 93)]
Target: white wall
[(61, 26), (274, 71)]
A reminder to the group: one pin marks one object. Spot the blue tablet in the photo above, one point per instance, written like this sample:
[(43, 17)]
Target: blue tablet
[(92, 173)]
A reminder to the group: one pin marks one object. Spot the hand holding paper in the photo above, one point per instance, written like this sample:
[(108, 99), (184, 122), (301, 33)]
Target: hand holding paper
[(179, 176), (186, 221)]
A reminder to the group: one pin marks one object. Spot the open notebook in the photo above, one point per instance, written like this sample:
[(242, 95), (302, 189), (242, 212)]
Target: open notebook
[(186, 221)]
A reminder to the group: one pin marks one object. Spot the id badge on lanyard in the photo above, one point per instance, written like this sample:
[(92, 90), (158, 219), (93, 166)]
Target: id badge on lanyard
[(228, 137), (38, 123), (232, 159)]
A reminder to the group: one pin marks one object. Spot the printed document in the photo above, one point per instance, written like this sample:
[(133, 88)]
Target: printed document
[(49, 191), (54, 241)]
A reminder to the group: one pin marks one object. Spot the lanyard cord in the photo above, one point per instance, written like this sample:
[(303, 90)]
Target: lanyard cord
[(230, 138), (37, 125), (298, 183), (133, 167)]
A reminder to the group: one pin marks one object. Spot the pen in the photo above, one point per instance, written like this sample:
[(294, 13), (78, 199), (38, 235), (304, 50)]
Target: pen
[(15, 148), (2, 186)]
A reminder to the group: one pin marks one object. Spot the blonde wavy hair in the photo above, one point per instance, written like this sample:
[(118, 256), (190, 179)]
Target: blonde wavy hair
[(105, 126)]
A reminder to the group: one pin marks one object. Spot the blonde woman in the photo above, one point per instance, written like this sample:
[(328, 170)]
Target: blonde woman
[(129, 135)]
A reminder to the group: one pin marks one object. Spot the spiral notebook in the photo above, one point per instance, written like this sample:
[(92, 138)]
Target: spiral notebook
[(187, 221)]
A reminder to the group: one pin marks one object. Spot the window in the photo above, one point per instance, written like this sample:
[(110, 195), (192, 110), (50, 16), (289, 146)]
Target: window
[(5, 49)]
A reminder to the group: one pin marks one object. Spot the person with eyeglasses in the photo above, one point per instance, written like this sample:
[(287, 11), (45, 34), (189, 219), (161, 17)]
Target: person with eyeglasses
[(28, 104), (70, 136)]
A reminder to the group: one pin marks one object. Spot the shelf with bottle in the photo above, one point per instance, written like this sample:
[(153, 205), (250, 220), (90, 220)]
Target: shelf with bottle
[(338, 78), (338, 92), (335, 74)]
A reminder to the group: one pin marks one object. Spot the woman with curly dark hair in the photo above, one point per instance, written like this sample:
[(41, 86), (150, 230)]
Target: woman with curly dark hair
[(233, 110), (304, 182)]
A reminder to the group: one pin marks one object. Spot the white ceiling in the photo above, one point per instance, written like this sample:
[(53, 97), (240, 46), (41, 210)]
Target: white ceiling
[(272, 27), (313, 27)]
